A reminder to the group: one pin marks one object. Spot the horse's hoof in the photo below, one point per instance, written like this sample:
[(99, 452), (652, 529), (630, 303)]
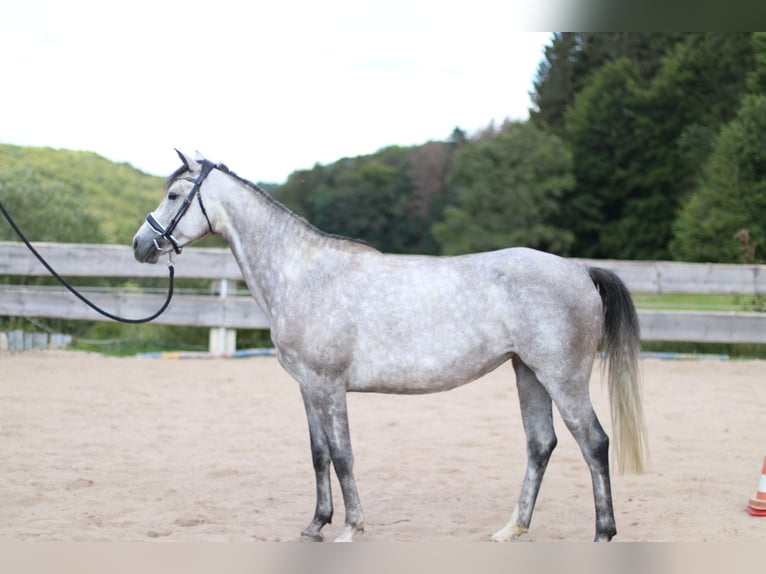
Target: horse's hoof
[(348, 534), (604, 537), (508, 534), (311, 537)]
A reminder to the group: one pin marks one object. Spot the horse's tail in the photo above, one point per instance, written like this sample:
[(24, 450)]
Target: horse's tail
[(622, 347)]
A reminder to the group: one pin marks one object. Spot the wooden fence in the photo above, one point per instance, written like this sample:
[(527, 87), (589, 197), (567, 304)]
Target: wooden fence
[(227, 308)]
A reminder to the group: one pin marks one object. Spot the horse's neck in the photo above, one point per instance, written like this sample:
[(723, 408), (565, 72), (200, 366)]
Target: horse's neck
[(270, 244)]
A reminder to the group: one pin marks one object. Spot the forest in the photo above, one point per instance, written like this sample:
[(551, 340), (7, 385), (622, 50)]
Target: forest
[(637, 146)]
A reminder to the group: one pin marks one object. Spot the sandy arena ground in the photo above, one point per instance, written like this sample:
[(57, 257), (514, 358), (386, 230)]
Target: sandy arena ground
[(95, 448)]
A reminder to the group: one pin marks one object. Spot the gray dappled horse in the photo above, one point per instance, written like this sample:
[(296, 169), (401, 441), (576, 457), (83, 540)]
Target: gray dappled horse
[(346, 317)]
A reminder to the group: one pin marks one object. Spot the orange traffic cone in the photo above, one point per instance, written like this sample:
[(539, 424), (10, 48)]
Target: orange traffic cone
[(757, 505)]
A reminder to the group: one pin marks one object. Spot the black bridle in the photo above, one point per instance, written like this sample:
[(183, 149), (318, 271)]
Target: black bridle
[(166, 232)]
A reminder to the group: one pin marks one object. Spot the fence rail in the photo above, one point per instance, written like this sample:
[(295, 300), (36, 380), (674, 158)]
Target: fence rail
[(238, 311), (93, 260), (663, 277)]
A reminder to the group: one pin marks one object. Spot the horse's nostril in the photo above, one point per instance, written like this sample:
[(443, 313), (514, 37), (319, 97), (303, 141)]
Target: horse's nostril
[(135, 244)]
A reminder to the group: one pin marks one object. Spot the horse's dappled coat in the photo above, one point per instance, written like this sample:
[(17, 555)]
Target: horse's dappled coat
[(345, 317)]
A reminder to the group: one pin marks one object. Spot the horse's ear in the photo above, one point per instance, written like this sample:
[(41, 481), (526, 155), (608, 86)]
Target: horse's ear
[(191, 163)]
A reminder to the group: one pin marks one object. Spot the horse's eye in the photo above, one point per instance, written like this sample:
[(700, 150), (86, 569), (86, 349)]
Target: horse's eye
[(172, 196)]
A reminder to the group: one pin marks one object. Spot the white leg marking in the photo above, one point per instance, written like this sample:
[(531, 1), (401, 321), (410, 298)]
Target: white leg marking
[(347, 535), (510, 530)]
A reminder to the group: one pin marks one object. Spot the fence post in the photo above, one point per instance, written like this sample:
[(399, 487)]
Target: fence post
[(222, 341)]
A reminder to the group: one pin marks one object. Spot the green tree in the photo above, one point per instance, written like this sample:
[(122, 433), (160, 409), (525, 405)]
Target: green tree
[(638, 143), (756, 81), (45, 210), (707, 74), (732, 195), (507, 191), (363, 202), (296, 192), (602, 127), (573, 58), (554, 86), (389, 198), (427, 169), (116, 193)]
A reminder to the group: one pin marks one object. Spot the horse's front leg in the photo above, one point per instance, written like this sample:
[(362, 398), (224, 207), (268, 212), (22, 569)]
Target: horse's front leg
[(320, 456), (327, 412)]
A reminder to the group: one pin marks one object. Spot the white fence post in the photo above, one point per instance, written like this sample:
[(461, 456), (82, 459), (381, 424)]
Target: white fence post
[(222, 341)]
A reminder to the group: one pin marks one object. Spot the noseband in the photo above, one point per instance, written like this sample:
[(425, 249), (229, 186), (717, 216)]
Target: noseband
[(166, 232)]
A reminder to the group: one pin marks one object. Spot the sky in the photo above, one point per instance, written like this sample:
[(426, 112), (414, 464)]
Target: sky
[(266, 89)]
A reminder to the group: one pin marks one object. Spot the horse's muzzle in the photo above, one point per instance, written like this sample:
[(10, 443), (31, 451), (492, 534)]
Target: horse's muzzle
[(145, 250)]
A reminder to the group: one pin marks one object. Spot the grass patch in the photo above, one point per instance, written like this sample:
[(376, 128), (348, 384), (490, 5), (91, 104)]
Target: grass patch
[(733, 350), (696, 302)]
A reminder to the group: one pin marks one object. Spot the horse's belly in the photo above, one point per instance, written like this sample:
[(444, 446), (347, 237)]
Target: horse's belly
[(419, 370)]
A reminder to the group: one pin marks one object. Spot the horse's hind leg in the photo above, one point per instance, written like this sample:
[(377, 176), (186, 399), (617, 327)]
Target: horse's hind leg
[(577, 412), (537, 416)]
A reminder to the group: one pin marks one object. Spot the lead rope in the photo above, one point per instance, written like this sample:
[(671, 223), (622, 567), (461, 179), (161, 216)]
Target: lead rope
[(81, 297)]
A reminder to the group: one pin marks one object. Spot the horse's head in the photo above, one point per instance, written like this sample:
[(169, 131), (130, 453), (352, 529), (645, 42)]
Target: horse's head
[(180, 219)]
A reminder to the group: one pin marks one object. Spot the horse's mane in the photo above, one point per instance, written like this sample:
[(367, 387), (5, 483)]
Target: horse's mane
[(268, 198)]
